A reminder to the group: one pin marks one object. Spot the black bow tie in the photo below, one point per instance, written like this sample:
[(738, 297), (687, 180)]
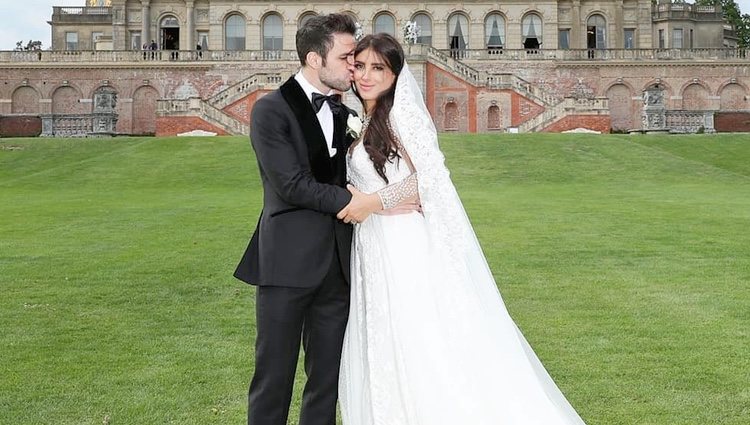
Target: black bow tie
[(334, 102)]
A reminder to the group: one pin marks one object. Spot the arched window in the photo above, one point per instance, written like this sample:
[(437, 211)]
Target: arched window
[(450, 120), (531, 31), (273, 32), (170, 33), (596, 32), (494, 31), (493, 118), (304, 18), (385, 23), (424, 22), (458, 33), (234, 33)]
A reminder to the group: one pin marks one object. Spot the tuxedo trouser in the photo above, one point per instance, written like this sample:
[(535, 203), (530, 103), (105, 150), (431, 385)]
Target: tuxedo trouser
[(317, 316)]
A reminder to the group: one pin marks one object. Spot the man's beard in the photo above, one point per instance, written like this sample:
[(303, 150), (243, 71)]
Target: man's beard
[(340, 84)]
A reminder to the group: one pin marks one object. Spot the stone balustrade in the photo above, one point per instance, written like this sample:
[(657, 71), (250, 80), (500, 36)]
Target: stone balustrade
[(67, 125), (690, 121), (450, 58)]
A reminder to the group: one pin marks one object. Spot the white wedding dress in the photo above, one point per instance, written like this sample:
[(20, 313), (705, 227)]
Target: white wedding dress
[(429, 340)]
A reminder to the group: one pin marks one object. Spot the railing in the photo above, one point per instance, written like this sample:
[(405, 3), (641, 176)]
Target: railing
[(470, 74), (67, 125), (684, 10), (690, 121), (602, 54), (87, 15), (241, 89), (147, 56), (448, 58), (513, 82), (568, 106)]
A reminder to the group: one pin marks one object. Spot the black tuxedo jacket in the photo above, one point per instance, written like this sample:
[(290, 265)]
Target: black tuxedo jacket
[(297, 234)]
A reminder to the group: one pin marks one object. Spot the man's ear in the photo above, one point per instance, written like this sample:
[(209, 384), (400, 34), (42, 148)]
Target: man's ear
[(313, 60)]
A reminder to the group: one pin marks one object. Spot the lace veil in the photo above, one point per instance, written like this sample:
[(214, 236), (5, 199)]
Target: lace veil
[(448, 225)]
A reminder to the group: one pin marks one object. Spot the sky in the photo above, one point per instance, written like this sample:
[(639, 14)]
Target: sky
[(27, 19)]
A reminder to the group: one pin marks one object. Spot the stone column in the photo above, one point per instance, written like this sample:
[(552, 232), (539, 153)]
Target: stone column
[(190, 36), (146, 21), (576, 42), (619, 37)]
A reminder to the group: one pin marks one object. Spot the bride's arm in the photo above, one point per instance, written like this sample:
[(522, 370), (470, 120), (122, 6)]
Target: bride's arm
[(404, 192)]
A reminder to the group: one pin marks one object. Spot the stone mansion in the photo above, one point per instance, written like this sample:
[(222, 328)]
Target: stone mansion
[(166, 66)]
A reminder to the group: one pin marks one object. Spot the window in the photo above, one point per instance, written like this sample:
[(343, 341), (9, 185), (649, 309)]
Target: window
[(71, 41), (94, 37), (203, 40), (135, 40), (691, 39), (596, 32), (531, 31), (273, 38), (304, 18), (494, 31), (385, 23), (629, 38), (661, 39), (563, 39), (424, 22), (458, 32), (234, 33), (677, 38)]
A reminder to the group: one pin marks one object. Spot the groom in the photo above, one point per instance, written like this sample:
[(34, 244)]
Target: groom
[(299, 254)]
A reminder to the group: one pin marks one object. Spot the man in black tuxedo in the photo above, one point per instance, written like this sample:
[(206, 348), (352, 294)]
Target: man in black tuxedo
[(299, 254)]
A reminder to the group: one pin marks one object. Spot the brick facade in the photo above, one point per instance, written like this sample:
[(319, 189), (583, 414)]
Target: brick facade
[(456, 104), (171, 126), (20, 126), (600, 123), (732, 122)]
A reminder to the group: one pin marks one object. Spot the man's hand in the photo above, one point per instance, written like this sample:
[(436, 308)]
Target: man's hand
[(360, 207)]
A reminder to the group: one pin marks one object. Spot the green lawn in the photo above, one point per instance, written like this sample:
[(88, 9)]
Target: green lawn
[(625, 260)]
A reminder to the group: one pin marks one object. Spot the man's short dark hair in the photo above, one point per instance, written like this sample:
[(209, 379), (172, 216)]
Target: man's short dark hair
[(316, 35)]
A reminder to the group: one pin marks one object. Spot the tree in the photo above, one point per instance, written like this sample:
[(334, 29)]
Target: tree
[(733, 16), (30, 46)]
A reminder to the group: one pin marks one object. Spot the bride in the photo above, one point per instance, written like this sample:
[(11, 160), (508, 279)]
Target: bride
[(429, 340)]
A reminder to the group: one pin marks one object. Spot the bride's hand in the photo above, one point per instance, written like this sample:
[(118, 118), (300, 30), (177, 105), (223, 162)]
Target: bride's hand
[(405, 208)]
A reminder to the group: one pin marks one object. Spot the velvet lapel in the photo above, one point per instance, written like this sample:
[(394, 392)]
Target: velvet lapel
[(317, 147), (340, 139)]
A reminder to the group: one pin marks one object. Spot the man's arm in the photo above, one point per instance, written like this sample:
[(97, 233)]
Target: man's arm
[(290, 179)]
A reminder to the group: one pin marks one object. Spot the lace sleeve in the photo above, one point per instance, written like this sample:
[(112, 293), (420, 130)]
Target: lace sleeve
[(394, 194)]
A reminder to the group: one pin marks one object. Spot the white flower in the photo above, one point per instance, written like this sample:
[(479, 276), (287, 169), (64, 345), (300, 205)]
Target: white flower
[(359, 32), (411, 32), (353, 126)]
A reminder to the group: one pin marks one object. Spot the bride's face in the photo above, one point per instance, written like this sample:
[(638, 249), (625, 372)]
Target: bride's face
[(372, 76)]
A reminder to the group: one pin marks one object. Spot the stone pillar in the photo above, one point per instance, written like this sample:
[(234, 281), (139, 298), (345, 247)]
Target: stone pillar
[(190, 31), (146, 21), (619, 24), (576, 41)]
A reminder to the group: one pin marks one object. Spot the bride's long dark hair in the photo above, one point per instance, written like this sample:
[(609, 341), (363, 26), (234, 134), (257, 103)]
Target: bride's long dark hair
[(379, 141)]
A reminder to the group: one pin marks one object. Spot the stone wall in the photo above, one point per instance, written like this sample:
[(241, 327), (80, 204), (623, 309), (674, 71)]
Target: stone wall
[(732, 122), (44, 88), (20, 126)]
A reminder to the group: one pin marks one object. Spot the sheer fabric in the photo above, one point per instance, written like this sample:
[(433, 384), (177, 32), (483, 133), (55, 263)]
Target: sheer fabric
[(429, 340)]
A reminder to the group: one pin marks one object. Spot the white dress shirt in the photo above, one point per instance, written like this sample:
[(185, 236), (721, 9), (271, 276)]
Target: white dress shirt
[(325, 115)]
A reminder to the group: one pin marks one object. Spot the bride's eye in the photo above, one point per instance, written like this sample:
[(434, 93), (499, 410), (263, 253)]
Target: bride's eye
[(359, 66)]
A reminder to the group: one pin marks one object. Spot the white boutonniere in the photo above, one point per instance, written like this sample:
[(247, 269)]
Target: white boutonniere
[(353, 126)]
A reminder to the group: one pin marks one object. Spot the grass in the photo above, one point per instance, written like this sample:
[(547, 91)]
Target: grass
[(625, 260)]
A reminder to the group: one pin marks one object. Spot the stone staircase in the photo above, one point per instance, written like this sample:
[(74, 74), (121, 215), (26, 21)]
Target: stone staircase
[(212, 111), (555, 108)]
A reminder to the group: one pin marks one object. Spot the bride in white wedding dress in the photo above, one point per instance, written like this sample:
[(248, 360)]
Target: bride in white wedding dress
[(429, 340)]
